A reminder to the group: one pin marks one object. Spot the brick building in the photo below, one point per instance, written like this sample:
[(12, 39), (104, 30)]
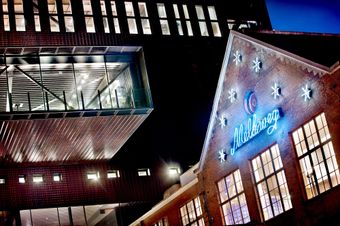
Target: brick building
[(75, 84), (272, 149)]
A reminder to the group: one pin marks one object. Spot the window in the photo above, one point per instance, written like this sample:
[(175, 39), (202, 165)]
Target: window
[(144, 18), (2, 181), (36, 15), (115, 17), (214, 22), (113, 174), (52, 10), (178, 21), (104, 15), (187, 20), (5, 15), (19, 15), (144, 172), (191, 213), (233, 200), (131, 18), (93, 176), (201, 20), (57, 177), (162, 222), (271, 183), (38, 178), (163, 19), (316, 156), (22, 179), (67, 10), (89, 22)]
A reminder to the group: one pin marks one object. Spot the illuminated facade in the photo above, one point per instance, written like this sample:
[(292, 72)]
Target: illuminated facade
[(74, 87), (271, 153)]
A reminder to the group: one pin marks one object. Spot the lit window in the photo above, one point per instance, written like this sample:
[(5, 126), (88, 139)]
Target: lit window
[(36, 15), (53, 15), (233, 200), (115, 18), (68, 18), (162, 222), (271, 183), (5, 16), (163, 19), (113, 174), (187, 20), (57, 177), (144, 172), (178, 21), (316, 156), (2, 181), (214, 22), (22, 179), (174, 171), (144, 18), (89, 22), (38, 178), (104, 15), (191, 213), (93, 176), (19, 15), (131, 18), (201, 20)]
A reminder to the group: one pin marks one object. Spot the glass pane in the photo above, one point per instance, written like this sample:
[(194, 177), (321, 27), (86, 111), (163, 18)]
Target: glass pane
[(113, 8), (129, 9), (146, 26), (212, 13), (67, 8), (69, 26), (142, 9), (41, 217), (106, 25), (179, 27), (165, 27), (116, 24), (20, 23), (161, 10), (190, 33), (203, 28), (87, 7), (176, 11), (90, 25), (199, 12), (216, 29), (37, 23), (54, 24), (186, 12), (52, 7), (78, 215), (103, 8), (25, 218), (18, 6), (132, 26), (6, 23)]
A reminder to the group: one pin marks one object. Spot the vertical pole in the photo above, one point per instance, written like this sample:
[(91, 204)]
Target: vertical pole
[(29, 101), (82, 100), (116, 96), (65, 104), (70, 216), (47, 104), (99, 101)]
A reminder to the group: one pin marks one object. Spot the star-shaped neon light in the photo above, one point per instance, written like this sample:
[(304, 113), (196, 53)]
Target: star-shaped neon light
[(237, 57), (222, 156), (222, 121), (232, 95), (257, 65), (276, 91), (306, 93)]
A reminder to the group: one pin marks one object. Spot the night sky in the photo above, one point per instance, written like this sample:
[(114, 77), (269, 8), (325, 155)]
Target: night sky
[(321, 16)]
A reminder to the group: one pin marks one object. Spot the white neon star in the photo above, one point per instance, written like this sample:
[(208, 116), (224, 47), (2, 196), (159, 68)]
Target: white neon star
[(257, 65), (222, 156), (237, 57), (232, 95), (306, 93), (222, 121), (276, 91)]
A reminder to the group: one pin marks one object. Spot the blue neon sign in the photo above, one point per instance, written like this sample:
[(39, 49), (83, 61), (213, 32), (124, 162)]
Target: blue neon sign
[(254, 126)]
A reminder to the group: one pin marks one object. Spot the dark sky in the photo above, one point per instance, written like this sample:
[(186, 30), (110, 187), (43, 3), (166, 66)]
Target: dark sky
[(321, 16)]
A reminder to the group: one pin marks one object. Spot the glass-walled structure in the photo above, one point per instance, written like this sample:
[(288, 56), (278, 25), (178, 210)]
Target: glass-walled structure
[(73, 82)]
